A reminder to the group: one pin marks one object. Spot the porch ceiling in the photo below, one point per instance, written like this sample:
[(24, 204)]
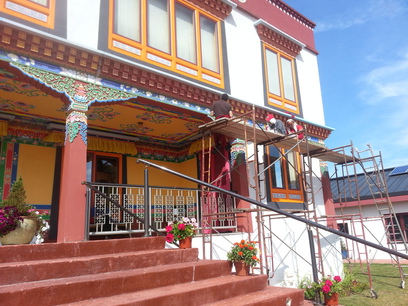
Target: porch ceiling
[(140, 117)]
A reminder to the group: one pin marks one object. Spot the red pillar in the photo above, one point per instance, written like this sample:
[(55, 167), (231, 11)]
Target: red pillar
[(240, 186), (327, 196), (71, 220)]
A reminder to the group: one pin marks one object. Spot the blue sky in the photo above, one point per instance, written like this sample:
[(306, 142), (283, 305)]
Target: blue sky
[(363, 65)]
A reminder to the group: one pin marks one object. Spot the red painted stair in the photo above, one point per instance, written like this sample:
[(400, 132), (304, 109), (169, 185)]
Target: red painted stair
[(134, 271)]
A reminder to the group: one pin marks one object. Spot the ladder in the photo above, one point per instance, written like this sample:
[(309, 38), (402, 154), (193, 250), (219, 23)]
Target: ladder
[(349, 188), (375, 180), (311, 214), (206, 198)]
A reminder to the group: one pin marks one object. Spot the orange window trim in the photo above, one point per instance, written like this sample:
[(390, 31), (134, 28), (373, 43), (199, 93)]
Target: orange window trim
[(286, 104), (15, 8), (286, 191), (143, 52)]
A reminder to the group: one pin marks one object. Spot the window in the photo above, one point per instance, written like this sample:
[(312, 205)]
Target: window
[(281, 80), (40, 12), (42, 2), (282, 175), (174, 35), (129, 23), (394, 232)]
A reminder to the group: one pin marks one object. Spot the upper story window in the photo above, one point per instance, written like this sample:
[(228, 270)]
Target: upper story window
[(283, 175), (41, 12), (174, 35), (281, 80), (279, 52)]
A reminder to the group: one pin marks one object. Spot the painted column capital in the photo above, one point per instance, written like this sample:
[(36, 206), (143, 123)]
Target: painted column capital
[(76, 124)]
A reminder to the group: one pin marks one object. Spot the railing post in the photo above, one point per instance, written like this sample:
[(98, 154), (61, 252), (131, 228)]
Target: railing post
[(313, 260), (146, 203), (87, 213)]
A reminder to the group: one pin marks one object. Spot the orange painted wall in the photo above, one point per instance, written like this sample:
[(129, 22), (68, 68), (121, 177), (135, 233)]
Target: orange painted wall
[(36, 166), (161, 178)]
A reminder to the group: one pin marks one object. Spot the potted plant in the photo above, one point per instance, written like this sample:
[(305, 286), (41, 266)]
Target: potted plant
[(331, 288), (309, 287), (243, 255), (182, 230), (9, 219), (20, 222)]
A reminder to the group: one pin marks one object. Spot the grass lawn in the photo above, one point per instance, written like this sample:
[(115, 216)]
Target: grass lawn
[(386, 283)]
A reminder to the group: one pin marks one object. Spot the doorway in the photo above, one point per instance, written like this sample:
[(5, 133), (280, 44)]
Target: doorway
[(104, 168)]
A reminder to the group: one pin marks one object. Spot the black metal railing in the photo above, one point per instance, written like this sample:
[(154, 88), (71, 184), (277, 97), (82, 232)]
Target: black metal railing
[(276, 210)]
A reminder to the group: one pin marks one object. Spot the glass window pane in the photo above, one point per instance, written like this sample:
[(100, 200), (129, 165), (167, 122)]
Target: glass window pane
[(89, 162), (293, 177), (42, 2), (275, 172), (106, 169), (209, 44), (185, 34), (127, 19), (287, 77), (273, 72), (158, 25)]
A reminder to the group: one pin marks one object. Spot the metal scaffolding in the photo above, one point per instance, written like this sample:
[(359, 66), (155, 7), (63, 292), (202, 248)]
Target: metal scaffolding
[(254, 136)]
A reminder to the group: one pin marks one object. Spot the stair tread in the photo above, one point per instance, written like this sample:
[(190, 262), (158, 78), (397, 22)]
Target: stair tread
[(101, 277), (269, 294), (31, 252), (137, 271), (69, 267), (81, 258), (195, 293)]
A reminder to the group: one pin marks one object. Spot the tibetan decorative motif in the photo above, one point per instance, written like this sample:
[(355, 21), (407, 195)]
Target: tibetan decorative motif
[(165, 154), (76, 124), (57, 82), (278, 41), (82, 93), (101, 93), (237, 152), (103, 113)]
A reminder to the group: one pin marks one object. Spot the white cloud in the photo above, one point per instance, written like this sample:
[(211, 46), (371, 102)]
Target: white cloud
[(362, 12), (387, 81)]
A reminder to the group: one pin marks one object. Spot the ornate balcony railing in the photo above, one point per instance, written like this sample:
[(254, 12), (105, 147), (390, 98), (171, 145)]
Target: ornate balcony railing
[(165, 205)]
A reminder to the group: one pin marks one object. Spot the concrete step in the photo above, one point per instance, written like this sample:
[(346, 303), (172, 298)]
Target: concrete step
[(72, 289), (36, 270), (29, 252), (133, 271), (269, 296), (202, 292)]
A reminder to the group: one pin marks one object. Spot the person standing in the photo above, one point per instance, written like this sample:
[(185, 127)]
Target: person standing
[(221, 108)]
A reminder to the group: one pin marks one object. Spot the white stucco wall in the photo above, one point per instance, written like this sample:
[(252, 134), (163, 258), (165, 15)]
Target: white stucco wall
[(370, 228), (244, 51), (244, 58), (83, 26), (309, 87)]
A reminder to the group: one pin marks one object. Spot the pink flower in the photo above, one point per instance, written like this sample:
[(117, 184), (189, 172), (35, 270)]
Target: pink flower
[(168, 228), (170, 238), (181, 226), (337, 278), (326, 289), (328, 282)]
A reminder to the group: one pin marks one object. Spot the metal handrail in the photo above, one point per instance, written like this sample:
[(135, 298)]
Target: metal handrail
[(279, 211)]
